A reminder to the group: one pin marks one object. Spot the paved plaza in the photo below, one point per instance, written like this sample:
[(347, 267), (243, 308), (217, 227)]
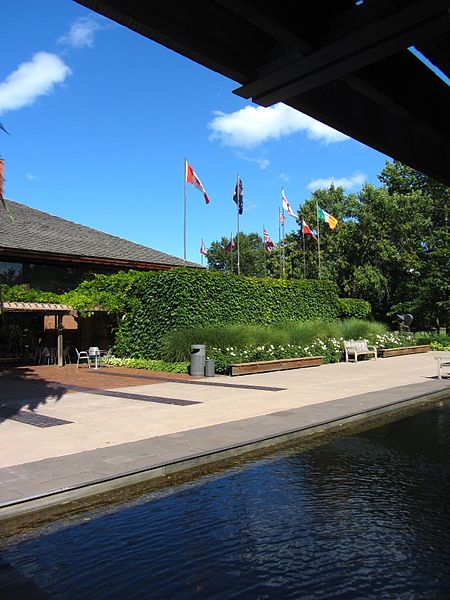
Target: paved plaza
[(63, 427)]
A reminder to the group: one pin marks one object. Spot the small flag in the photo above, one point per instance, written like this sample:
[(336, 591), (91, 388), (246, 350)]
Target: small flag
[(308, 231), (192, 178), (203, 249), (229, 246), (238, 195), (286, 205), (331, 221), (267, 241), (2, 172), (282, 218)]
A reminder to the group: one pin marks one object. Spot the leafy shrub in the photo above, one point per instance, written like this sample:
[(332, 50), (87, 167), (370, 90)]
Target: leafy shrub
[(149, 365), (354, 308), (437, 341)]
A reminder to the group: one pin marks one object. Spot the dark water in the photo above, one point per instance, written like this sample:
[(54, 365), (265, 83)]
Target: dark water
[(363, 516)]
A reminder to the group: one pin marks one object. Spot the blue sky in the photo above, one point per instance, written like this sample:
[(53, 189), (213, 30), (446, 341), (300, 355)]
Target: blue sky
[(101, 119)]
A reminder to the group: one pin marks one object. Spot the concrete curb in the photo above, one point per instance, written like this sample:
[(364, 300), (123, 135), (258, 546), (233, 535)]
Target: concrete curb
[(31, 504)]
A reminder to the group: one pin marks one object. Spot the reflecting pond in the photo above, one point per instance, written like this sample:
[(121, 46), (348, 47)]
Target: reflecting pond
[(365, 515)]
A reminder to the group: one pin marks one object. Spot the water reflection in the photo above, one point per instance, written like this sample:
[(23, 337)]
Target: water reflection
[(363, 516)]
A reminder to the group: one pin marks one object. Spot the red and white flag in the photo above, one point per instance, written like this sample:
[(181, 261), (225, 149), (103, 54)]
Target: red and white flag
[(229, 247), (282, 218), (203, 249), (192, 178), (268, 244), (307, 231), (287, 206)]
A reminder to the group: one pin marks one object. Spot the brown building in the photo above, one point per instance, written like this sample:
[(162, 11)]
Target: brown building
[(45, 252)]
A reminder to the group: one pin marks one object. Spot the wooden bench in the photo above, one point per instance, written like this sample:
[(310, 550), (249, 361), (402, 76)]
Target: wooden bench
[(265, 366), (443, 360), (355, 348)]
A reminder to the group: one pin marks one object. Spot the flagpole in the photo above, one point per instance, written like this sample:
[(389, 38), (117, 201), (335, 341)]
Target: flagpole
[(231, 252), (304, 254), (318, 237), (265, 253), (284, 256), (184, 178), (279, 235), (237, 209)]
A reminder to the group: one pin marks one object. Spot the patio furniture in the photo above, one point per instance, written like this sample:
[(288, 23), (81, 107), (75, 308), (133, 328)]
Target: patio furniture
[(82, 355), (443, 360), (66, 356), (94, 354), (355, 348), (104, 354), (47, 356)]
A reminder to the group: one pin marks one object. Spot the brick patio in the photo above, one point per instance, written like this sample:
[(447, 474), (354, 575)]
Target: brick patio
[(25, 382)]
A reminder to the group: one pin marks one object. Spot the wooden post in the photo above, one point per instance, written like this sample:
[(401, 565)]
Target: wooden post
[(60, 346)]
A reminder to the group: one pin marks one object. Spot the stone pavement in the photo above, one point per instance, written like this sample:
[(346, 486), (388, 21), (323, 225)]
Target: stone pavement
[(69, 432)]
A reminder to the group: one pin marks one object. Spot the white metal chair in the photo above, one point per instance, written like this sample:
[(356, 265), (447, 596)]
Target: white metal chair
[(104, 355), (82, 355), (45, 356), (94, 354)]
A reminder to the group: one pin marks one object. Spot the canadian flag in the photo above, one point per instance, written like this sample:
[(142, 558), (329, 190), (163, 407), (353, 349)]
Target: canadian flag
[(287, 206), (192, 178), (267, 241), (307, 231)]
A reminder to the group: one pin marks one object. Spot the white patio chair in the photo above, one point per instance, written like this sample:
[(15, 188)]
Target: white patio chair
[(94, 354), (82, 355)]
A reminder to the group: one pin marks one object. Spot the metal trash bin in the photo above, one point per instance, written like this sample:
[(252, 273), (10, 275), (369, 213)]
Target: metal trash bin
[(198, 359), (210, 368)]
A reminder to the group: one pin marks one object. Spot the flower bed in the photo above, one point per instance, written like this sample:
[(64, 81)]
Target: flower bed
[(328, 351), (402, 350), (266, 366)]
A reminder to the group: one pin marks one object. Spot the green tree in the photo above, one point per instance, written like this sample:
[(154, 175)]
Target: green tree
[(429, 279), (252, 256)]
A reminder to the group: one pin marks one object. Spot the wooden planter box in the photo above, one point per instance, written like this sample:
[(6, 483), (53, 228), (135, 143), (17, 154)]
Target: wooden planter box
[(265, 366), (387, 352)]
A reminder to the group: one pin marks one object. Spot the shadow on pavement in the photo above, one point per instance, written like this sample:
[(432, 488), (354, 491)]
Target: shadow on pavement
[(21, 388)]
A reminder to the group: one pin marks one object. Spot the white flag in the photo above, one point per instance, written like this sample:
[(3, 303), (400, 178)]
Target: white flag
[(286, 205)]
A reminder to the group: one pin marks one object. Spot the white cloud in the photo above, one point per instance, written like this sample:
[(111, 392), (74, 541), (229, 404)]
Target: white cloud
[(31, 80), (345, 182), (81, 33), (263, 163), (255, 125), (31, 177)]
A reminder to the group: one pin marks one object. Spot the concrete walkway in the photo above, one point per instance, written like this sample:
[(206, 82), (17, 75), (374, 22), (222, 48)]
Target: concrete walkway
[(77, 438)]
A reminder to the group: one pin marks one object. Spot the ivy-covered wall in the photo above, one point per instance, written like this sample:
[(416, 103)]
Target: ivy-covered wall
[(149, 304), (181, 298)]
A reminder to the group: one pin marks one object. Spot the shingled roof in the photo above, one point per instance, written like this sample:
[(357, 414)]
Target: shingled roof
[(39, 232)]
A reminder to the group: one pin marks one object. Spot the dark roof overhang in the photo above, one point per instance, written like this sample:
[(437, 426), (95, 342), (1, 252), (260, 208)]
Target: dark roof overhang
[(344, 63)]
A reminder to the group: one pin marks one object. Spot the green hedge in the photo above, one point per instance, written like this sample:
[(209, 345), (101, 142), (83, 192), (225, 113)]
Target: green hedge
[(181, 298), (353, 308)]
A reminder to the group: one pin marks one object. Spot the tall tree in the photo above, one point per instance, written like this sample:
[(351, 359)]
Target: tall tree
[(252, 255)]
